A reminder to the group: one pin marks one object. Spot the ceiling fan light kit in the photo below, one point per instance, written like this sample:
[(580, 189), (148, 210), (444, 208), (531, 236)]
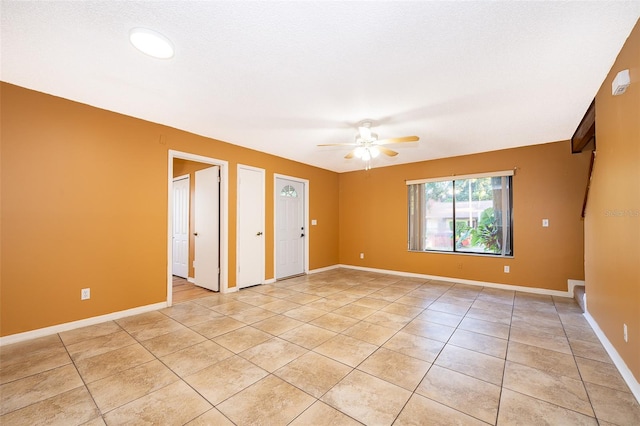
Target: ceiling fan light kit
[(366, 153), (368, 146)]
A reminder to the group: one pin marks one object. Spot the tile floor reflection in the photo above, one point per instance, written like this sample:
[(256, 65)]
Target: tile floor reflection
[(341, 347)]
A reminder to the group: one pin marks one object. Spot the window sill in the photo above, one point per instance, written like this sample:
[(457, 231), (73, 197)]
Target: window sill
[(458, 253)]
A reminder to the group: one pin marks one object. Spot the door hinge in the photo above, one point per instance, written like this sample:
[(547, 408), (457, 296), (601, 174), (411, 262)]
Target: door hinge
[(219, 179)]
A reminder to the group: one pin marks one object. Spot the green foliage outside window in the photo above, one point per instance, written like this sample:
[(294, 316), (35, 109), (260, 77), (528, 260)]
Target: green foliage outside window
[(488, 232)]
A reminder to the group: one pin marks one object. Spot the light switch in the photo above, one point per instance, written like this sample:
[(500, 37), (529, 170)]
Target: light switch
[(545, 223), (314, 222)]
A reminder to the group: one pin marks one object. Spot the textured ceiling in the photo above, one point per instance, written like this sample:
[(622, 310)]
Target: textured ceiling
[(282, 77)]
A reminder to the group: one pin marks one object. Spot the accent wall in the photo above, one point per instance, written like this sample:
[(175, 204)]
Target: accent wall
[(84, 204), (612, 223), (548, 183)]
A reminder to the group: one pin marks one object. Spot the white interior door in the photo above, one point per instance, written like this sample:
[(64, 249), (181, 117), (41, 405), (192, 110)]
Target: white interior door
[(250, 226), (180, 259), (207, 228), (290, 231)]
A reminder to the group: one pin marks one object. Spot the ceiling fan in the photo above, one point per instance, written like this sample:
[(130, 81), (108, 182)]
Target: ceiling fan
[(368, 146)]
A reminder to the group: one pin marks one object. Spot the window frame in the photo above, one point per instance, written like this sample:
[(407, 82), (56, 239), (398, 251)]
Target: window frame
[(452, 179)]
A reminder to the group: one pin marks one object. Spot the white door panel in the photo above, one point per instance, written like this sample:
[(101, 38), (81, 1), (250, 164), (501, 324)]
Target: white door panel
[(207, 228), (250, 227), (180, 259), (290, 230)]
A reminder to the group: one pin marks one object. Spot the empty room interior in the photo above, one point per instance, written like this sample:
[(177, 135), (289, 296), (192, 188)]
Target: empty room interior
[(320, 213)]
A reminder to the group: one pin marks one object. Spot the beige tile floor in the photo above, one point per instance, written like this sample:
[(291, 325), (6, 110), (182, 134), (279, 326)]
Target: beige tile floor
[(341, 347)]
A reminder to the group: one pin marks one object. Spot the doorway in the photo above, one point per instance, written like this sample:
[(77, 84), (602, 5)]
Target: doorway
[(223, 217), (184, 291), (291, 218)]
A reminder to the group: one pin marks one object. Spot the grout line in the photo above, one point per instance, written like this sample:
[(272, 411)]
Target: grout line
[(582, 382), (506, 354), (309, 285), (84, 383)]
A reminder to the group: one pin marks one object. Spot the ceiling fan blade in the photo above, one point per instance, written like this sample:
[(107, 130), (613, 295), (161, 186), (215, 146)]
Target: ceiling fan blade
[(387, 151), (350, 155), (398, 140), (338, 144)]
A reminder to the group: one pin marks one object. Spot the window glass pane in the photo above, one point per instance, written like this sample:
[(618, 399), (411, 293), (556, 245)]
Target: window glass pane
[(479, 212), (288, 191), (438, 214)]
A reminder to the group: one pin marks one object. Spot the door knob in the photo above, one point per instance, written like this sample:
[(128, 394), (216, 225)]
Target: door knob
[(195, 234), (301, 235), (259, 233)]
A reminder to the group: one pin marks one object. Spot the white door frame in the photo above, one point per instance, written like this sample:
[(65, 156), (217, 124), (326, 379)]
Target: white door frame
[(224, 217), (262, 219), (305, 182)]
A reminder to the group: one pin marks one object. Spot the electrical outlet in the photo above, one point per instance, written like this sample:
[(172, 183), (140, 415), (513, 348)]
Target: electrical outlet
[(545, 223), (85, 294), (626, 335), (361, 255), (506, 269)]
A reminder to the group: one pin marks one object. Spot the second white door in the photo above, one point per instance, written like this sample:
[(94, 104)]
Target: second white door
[(207, 228), (290, 230), (250, 226), (181, 227)]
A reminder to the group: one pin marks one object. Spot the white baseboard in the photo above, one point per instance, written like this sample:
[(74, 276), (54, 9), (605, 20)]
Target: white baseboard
[(59, 328), (523, 289), (312, 271), (572, 284), (325, 269), (626, 374), (192, 280), (19, 337)]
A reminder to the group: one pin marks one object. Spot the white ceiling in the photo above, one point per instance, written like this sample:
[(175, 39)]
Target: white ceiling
[(282, 77)]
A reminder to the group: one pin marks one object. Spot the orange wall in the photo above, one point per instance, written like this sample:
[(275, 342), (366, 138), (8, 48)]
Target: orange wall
[(549, 183), (612, 223), (84, 204)]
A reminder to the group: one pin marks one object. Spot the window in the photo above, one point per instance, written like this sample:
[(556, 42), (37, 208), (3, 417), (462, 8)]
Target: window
[(469, 214), (288, 191)]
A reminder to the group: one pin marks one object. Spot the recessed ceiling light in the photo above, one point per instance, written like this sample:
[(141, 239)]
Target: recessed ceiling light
[(151, 43)]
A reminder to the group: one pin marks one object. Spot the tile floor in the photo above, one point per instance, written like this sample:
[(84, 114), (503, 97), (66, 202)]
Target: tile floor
[(183, 290), (342, 347)]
